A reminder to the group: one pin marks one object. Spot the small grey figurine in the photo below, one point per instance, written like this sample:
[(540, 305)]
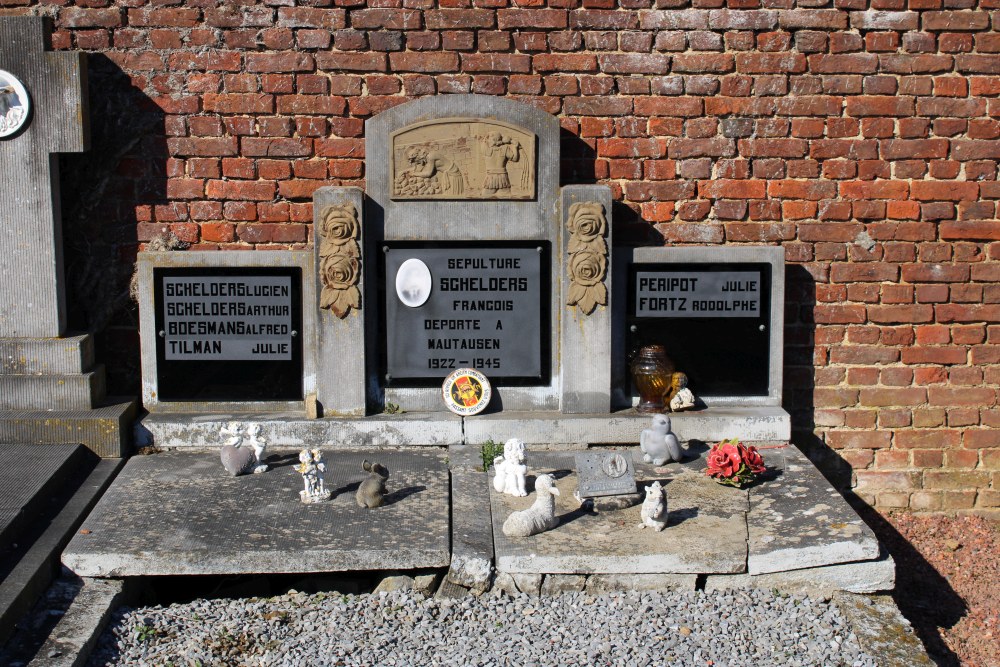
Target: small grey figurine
[(372, 493)]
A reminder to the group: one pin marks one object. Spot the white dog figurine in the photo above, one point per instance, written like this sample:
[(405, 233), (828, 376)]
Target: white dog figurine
[(511, 469)]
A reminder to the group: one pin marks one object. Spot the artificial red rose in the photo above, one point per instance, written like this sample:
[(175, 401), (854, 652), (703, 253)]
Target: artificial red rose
[(754, 460), (724, 460)]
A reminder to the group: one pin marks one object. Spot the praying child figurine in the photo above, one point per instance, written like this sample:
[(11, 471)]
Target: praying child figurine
[(311, 467)]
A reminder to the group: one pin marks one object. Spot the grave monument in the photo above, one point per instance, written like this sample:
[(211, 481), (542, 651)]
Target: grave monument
[(51, 391), (466, 252)]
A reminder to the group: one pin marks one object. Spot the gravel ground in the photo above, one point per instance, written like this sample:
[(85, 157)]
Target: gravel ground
[(406, 629)]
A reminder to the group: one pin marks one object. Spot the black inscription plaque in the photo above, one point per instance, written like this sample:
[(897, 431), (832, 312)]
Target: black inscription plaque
[(697, 294), (713, 320), (482, 308), (228, 334)]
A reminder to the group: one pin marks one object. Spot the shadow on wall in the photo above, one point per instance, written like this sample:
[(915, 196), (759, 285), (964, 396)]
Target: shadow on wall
[(578, 166), (124, 170), (922, 594)]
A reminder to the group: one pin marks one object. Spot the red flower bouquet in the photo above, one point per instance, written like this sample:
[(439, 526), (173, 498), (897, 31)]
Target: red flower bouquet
[(733, 463)]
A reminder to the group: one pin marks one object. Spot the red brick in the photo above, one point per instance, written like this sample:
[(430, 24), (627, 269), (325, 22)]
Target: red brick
[(934, 355), (564, 62), (927, 439), (770, 63), (897, 396), (630, 148), (457, 19), (981, 438), (802, 189), (634, 63), (733, 189), (895, 314), (174, 17), (866, 105), (424, 62), (505, 63), (955, 21), (858, 439), (537, 19), (279, 62)]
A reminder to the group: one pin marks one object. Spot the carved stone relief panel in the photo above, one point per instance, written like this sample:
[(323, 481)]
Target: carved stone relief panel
[(463, 158)]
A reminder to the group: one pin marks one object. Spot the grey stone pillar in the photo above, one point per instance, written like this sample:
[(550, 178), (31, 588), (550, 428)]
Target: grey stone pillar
[(341, 379), (585, 342)]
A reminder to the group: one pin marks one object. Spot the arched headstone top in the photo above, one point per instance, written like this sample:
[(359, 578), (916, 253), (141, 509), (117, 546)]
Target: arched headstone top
[(470, 167)]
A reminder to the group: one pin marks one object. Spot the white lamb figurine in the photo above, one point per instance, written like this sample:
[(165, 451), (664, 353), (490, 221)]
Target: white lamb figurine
[(511, 469), (539, 517), (654, 507), (658, 444)]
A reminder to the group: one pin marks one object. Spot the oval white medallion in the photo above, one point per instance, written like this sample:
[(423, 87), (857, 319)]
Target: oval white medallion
[(413, 283)]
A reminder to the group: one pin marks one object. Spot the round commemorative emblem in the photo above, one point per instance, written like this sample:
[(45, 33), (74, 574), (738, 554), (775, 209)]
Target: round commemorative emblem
[(466, 391), (14, 104)]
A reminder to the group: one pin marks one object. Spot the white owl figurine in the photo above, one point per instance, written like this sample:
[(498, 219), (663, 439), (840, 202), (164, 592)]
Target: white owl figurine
[(658, 444)]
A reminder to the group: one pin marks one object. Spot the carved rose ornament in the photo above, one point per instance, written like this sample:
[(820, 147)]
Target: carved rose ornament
[(340, 264), (588, 256)]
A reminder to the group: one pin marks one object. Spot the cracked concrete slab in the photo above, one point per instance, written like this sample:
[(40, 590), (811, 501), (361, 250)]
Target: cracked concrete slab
[(798, 520), (181, 513)]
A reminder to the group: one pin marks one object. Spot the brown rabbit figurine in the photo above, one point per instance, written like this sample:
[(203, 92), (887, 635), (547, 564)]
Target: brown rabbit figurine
[(371, 493)]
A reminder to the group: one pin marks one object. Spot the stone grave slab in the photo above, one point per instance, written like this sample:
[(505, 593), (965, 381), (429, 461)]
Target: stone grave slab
[(706, 532), (798, 520), (27, 473), (181, 513)]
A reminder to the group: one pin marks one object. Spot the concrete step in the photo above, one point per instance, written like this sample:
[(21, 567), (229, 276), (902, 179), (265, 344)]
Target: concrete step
[(751, 424), (29, 475), (106, 430), (46, 356), (31, 568), (52, 392), (711, 424)]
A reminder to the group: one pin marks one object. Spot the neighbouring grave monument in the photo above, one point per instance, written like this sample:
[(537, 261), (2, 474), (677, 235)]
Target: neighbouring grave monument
[(51, 391)]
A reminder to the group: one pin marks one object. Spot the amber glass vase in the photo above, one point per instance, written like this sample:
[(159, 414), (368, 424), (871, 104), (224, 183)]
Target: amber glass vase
[(651, 372)]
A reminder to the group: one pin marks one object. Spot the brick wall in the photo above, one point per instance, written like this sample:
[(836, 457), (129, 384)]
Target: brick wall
[(860, 137)]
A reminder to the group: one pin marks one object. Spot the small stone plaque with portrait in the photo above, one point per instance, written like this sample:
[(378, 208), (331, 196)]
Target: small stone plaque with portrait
[(604, 473)]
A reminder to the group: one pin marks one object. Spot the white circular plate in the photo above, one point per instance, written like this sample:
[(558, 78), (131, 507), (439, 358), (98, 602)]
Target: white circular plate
[(15, 104), (466, 391), (413, 283)]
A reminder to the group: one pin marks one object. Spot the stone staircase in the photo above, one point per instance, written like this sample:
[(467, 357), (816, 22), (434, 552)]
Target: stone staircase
[(52, 392)]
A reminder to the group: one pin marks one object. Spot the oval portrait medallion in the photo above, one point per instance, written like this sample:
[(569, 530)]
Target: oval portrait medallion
[(413, 283), (614, 465), (14, 104), (466, 391)]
